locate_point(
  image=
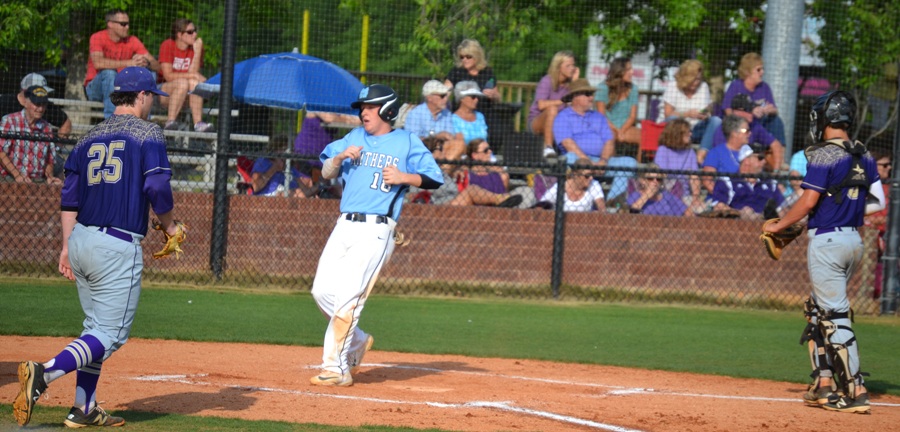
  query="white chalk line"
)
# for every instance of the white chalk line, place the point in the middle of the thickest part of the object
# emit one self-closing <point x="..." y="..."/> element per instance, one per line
<point x="502" y="406"/>
<point x="617" y="390"/>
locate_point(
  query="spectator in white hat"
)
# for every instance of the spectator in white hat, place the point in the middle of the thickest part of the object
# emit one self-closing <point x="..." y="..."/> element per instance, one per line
<point x="15" y="102"/>
<point x="433" y="119"/>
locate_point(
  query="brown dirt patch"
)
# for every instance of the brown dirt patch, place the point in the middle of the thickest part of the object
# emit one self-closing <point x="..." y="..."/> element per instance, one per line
<point x="267" y="382"/>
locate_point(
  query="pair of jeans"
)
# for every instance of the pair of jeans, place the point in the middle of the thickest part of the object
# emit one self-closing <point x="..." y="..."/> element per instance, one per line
<point x="99" y="89"/>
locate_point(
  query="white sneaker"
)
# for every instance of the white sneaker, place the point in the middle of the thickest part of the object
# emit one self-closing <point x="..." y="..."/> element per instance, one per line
<point x="549" y="152"/>
<point x="355" y="359"/>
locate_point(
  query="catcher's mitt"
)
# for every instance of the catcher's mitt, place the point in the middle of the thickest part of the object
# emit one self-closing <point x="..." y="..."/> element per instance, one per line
<point x="777" y="241"/>
<point x="173" y="242"/>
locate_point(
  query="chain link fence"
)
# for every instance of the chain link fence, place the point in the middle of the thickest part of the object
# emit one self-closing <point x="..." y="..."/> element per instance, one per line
<point x="647" y="231"/>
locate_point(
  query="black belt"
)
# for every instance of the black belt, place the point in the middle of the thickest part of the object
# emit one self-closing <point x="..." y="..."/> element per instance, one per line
<point x="360" y="217"/>
<point x="119" y="234"/>
<point x="820" y="231"/>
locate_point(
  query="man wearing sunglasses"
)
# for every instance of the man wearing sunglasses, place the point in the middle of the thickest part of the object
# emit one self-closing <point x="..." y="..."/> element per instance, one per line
<point x="112" y="50"/>
<point x="433" y="119"/>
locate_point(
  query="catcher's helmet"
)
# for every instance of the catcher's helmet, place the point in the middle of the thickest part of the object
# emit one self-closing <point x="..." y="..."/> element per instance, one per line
<point x="836" y="109"/>
<point x="379" y="94"/>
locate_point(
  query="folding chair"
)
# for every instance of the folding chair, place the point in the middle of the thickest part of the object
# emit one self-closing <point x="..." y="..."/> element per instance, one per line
<point x="650" y="132"/>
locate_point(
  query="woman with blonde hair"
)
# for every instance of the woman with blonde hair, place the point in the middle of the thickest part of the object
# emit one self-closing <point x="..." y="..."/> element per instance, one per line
<point x="750" y="82"/>
<point x="548" y="97"/>
<point x="617" y="99"/>
<point x="688" y="97"/>
<point x="471" y="65"/>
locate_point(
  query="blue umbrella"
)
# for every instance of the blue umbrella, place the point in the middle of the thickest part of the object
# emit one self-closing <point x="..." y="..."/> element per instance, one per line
<point x="292" y="81"/>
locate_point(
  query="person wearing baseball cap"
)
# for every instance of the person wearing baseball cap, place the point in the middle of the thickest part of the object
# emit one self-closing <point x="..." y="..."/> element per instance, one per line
<point x="27" y="160"/>
<point x="747" y="195"/>
<point x="14" y="102"/>
<point x="433" y="119"/>
<point x="131" y="89"/>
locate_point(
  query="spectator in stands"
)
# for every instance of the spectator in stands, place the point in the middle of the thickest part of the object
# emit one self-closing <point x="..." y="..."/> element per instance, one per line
<point x="268" y="178"/>
<point x="467" y="121"/>
<point x="180" y="60"/>
<point x="675" y="153"/>
<point x="485" y="184"/>
<point x="747" y="195"/>
<point x="583" y="193"/>
<point x="548" y="97"/>
<point x="112" y="50"/>
<point x="55" y="115"/>
<point x="742" y="106"/>
<point x="583" y="133"/>
<point x="750" y="82"/>
<point x="471" y="65"/>
<point x="688" y="97"/>
<point x="652" y="198"/>
<point x="23" y="160"/>
<point x="724" y="158"/>
<point x="433" y="119"/>
<point x="879" y="219"/>
<point x="449" y="190"/>
<point x="617" y="99"/>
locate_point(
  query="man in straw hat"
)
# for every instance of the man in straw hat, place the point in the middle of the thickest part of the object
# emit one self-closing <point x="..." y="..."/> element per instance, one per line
<point x="582" y="132"/>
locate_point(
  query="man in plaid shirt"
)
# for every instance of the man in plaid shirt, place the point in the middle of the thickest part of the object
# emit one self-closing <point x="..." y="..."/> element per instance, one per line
<point x="24" y="160"/>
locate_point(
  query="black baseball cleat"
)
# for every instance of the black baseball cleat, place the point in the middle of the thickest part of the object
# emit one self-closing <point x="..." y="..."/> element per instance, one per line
<point x="860" y="405"/>
<point x="97" y="417"/>
<point x="32" y="386"/>
<point x="512" y="201"/>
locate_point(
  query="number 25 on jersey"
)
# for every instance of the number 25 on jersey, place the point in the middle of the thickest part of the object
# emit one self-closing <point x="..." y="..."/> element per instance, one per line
<point x="103" y="164"/>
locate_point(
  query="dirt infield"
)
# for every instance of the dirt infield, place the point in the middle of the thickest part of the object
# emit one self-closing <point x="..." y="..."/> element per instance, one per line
<point x="268" y="382"/>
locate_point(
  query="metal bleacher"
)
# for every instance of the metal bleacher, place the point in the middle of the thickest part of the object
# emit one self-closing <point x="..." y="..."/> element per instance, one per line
<point x="85" y="114"/>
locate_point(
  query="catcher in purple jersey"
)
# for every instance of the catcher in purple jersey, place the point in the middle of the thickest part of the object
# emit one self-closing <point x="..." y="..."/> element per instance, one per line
<point x="841" y="185"/>
<point x="377" y="165"/>
<point x="114" y="174"/>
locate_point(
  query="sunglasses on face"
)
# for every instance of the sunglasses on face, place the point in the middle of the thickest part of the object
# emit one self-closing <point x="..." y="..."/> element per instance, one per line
<point x="485" y="150"/>
<point x="885" y="165"/>
<point x="122" y="23"/>
<point x="653" y="179"/>
<point x="466" y="57"/>
<point x="442" y="96"/>
<point x="743" y="130"/>
<point x="190" y="32"/>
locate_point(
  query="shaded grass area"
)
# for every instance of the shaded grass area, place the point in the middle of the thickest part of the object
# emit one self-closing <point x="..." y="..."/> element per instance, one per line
<point x="739" y="343"/>
<point x="51" y="418"/>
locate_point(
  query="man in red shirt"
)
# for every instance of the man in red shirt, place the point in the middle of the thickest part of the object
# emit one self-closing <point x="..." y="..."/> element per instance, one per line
<point x="21" y="159"/>
<point x="112" y="50"/>
<point x="180" y="59"/>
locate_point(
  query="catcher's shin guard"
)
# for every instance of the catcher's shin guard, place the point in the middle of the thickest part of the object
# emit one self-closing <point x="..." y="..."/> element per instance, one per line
<point x="815" y="341"/>
<point x="839" y="353"/>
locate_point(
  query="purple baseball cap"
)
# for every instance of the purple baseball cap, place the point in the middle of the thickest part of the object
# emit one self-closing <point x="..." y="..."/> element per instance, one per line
<point x="136" y="79"/>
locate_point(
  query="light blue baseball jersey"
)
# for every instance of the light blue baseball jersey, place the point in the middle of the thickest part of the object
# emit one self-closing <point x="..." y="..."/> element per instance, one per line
<point x="364" y="188"/>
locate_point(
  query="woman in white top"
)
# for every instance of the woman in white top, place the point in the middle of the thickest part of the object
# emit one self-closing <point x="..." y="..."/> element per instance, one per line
<point x="688" y="97"/>
<point x="583" y="192"/>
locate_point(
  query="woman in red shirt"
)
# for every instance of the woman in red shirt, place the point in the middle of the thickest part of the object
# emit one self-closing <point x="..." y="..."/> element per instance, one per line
<point x="180" y="59"/>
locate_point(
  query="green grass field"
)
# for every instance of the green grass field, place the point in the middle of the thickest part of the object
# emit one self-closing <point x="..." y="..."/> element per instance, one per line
<point x="730" y="342"/>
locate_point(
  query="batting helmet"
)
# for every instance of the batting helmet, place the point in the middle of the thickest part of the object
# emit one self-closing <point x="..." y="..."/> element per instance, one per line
<point x="379" y="94"/>
<point x="836" y="109"/>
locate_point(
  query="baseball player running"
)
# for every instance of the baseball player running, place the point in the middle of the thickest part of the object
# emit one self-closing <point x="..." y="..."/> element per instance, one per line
<point x="377" y="165"/>
<point x="841" y="185"/>
<point x="114" y="174"/>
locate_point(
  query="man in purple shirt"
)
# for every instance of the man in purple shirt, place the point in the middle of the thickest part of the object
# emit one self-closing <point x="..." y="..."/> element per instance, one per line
<point x="742" y="106"/>
<point x="841" y="185"/>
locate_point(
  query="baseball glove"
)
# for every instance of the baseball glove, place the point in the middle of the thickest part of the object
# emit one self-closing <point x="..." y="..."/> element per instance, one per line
<point x="172" y="242"/>
<point x="401" y="239"/>
<point x="777" y="241"/>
